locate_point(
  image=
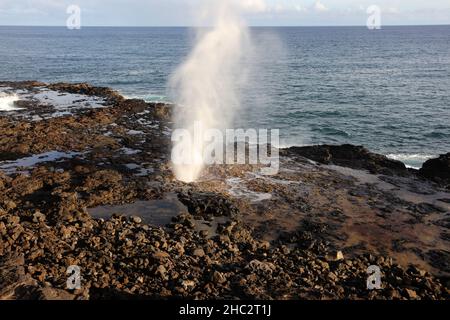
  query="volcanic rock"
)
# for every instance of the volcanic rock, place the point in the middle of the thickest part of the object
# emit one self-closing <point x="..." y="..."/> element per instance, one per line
<point x="438" y="170"/>
<point x="356" y="157"/>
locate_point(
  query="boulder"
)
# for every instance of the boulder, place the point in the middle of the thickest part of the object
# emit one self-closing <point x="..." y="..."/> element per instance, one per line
<point x="132" y="106"/>
<point x="53" y="294"/>
<point x="13" y="277"/>
<point x="437" y="170"/>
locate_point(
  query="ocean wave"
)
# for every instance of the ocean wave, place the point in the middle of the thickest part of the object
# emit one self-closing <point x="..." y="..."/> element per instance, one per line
<point x="7" y="102"/>
<point x="437" y="134"/>
<point x="151" y="98"/>
<point x="329" y="131"/>
<point x="286" y="145"/>
<point x="313" y="114"/>
<point x="415" y="160"/>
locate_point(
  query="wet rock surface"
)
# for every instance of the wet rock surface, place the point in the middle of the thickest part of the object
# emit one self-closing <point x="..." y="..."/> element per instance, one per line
<point x="356" y="157"/>
<point x="310" y="232"/>
<point x="438" y="170"/>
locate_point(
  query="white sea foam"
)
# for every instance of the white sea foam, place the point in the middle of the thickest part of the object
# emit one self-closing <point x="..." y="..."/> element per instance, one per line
<point x="135" y="132"/>
<point x="414" y="161"/>
<point x="7" y="101"/>
<point x="150" y="98"/>
<point x="129" y="151"/>
<point x="60" y="104"/>
<point x="66" y="101"/>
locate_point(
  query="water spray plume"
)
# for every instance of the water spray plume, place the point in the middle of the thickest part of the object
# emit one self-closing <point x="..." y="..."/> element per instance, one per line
<point x="205" y="86"/>
<point x="7" y="102"/>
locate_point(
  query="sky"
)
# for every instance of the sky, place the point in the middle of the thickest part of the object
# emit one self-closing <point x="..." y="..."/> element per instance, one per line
<point x="182" y="12"/>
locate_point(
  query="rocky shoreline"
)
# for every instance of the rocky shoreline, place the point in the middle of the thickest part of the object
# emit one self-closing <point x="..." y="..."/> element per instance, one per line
<point x="85" y="181"/>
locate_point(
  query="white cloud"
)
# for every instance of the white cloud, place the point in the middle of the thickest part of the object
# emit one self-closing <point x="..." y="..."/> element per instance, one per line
<point x="30" y="6"/>
<point x="392" y="10"/>
<point x="257" y="12"/>
<point x="253" y="5"/>
<point x="319" y="6"/>
<point x="300" y="8"/>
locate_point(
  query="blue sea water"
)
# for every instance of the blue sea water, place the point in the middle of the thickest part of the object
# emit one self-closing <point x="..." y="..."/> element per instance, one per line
<point x="388" y="89"/>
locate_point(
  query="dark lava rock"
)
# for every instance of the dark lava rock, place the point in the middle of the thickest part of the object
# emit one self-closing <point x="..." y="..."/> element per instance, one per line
<point x="438" y="170"/>
<point x="204" y="204"/>
<point x="87" y="89"/>
<point x="426" y="208"/>
<point x="22" y="84"/>
<point x="45" y="227"/>
<point x="13" y="276"/>
<point x="162" y="111"/>
<point x="356" y="157"/>
<point x="133" y="105"/>
<point x="440" y="259"/>
<point x="8" y="156"/>
<point x="53" y="294"/>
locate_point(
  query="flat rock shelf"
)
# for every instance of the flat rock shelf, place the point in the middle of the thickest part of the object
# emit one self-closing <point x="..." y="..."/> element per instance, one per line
<point x="86" y="180"/>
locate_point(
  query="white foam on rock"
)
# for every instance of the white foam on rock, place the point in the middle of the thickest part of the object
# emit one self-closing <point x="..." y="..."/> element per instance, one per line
<point x="414" y="161"/>
<point x="63" y="101"/>
<point x="59" y="104"/>
<point x="135" y="132"/>
<point x="129" y="151"/>
<point x="7" y="101"/>
<point x="239" y="190"/>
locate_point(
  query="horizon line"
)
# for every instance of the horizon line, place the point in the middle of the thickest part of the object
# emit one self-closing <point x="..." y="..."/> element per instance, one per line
<point x="251" y="26"/>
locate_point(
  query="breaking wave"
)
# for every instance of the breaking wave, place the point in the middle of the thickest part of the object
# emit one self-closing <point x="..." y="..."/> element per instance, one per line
<point x="414" y="161"/>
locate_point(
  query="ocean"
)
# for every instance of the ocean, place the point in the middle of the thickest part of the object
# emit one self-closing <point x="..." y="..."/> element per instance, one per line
<point x="387" y="89"/>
